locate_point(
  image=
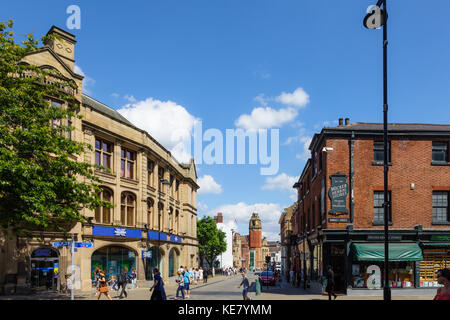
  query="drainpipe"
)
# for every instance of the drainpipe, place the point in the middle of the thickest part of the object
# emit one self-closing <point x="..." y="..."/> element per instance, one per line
<point x="352" y="171"/>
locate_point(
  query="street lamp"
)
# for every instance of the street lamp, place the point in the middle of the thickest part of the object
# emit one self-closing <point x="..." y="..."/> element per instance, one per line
<point x="163" y="182"/>
<point x="374" y="19"/>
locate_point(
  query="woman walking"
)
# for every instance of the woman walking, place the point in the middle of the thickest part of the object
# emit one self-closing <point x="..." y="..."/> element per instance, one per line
<point x="133" y="277"/>
<point x="103" y="286"/>
<point x="200" y="275"/>
<point x="158" y="285"/>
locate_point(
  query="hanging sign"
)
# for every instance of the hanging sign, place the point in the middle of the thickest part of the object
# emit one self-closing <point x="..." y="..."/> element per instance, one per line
<point x="146" y="254"/>
<point x="338" y="194"/>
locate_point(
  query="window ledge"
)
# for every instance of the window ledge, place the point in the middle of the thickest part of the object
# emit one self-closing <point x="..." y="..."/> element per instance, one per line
<point x="380" y="223"/>
<point x="129" y="180"/>
<point x="380" y="163"/>
<point x="442" y="223"/>
<point x="440" y="163"/>
<point x="105" y="173"/>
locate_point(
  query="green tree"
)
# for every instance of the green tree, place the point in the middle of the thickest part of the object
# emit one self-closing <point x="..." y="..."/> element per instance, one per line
<point x="42" y="184"/>
<point x="211" y="241"/>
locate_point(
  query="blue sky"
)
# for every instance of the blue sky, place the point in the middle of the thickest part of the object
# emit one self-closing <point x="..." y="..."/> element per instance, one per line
<point x="208" y="60"/>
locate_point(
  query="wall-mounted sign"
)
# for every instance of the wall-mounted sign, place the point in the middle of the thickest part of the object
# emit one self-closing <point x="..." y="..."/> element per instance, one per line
<point x="380" y="237"/>
<point x="116" y="232"/>
<point x="440" y="238"/>
<point x="338" y="194"/>
<point x="146" y="254"/>
<point x="339" y="220"/>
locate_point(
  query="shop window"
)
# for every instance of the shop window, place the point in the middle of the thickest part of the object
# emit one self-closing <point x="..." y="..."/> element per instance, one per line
<point x="112" y="259"/>
<point x="440" y="151"/>
<point x="378" y="200"/>
<point x="370" y="274"/>
<point x="378" y="151"/>
<point x="127" y="163"/>
<point x="128" y="205"/>
<point x="103" y="214"/>
<point x="103" y="154"/>
<point x="440" y="207"/>
<point x="433" y="260"/>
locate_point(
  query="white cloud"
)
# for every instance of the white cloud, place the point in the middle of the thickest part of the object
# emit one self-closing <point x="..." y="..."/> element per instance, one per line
<point x="130" y="98"/>
<point x="298" y="98"/>
<point x="201" y="206"/>
<point x="88" y="82"/>
<point x="115" y="95"/>
<point x="280" y="182"/>
<point x="265" y="118"/>
<point x="208" y="185"/>
<point x="169" y="123"/>
<point x="306" y="154"/>
<point x="269" y="213"/>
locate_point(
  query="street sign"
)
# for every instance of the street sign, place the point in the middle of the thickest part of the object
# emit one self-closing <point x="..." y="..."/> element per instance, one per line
<point x="146" y="254"/>
<point x="77" y="244"/>
<point x="374" y="18"/>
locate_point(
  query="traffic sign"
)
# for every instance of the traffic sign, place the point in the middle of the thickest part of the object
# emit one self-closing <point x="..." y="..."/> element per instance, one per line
<point x="76" y="244"/>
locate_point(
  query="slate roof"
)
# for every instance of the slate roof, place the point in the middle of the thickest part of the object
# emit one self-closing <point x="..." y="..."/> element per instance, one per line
<point x="104" y="109"/>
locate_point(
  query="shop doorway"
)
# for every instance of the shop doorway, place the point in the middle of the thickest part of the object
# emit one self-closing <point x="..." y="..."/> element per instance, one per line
<point x="173" y="262"/>
<point x="337" y="262"/>
<point x="151" y="264"/>
<point x="113" y="259"/>
<point x="44" y="269"/>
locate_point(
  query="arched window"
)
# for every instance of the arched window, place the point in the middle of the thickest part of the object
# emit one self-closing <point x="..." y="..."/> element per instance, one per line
<point x="171" y="224"/>
<point x="128" y="207"/>
<point x="177" y="222"/>
<point x="160" y="216"/>
<point x="150" y="212"/>
<point x="103" y="214"/>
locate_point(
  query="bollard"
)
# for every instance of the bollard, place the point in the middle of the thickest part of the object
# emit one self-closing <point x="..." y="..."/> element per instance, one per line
<point x="258" y="287"/>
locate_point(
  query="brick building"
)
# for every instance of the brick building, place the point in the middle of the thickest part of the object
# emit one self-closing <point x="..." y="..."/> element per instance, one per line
<point x="339" y="219"/>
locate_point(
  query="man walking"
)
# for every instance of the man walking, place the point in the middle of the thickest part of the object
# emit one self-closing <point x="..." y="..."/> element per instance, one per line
<point x="205" y="275"/>
<point x="330" y="283"/>
<point x="246" y="286"/>
<point x="123" y="280"/>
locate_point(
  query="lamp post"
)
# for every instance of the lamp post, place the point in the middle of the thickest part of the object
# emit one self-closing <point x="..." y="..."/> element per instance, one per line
<point x="374" y="20"/>
<point x="163" y="182"/>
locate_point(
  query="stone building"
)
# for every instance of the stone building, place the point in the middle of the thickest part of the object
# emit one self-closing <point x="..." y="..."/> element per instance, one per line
<point x="339" y="219"/>
<point x="285" y="237"/>
<point x="119" y="236"/>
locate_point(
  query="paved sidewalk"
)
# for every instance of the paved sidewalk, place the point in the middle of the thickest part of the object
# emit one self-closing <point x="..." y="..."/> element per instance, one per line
<point x="133" y="294"/>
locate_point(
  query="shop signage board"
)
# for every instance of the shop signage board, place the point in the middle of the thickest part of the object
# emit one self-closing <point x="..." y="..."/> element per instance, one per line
<point x="380" y="237"/>
<point x="116" y="232"/>
<point x="339" y="220"/>
<point x="338" y="194"/>
<point x="146" y="254"/>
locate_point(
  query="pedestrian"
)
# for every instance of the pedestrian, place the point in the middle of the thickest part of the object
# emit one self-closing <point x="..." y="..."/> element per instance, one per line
<point x="68" y="284"/>
<point x="200" y="275"/>
<point x="103" y="286"/>
<point x="443" y="277"/>
<point x="113" y="283"/>
<point x="186" y="280"/>
<point x="96" y="277"/>
<point x="191" y="276"/>
<point x="158" y="285"/>
<point x="133" y="277"/>
<point x="330" y="283"/>
<point x="291" y="275"/>
<point x="196" y="276"/>
<point x="180" y="282"/>
<point x="123" y="280"/>
<point x="181" y="269"/>
<point x="246" y="285"/>
<point x="205" y="275"/>
<point x="299" y="279"/>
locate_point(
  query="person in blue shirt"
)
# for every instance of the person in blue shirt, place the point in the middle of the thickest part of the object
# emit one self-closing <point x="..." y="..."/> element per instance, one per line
<point x="158" y="285"/>
<point x="187" y="280"/>
<point x="246" y="284"/>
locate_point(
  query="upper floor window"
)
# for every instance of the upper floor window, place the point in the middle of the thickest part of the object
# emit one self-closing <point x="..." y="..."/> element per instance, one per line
<point x="378" y="151"/>
<point x="440" y="206"/>
<point x="150" y="168"/>
<point x="440" y="151"/>
<point x="103" y="214"/>
<point x="150" y="211"/>
<point x="127" y="209"/>
<point x="172" y="179"/>
<point x="315" y="162"/>
<point x="378" y="207"/>
<point x="103" y="153"/>
<point x="160" y="176"/>
<point x="127" y="162"/>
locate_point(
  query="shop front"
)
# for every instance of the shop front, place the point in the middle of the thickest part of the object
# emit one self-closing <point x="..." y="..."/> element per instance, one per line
<point x="368" y="265"/>
<point x="436" y="256"/>
<point x="44" y="269"/>
<point x="113" y="259"/>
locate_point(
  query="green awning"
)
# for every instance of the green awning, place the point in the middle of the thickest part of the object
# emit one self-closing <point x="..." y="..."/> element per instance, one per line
<point x="397" y="252"/>
<point x="436" y="244"/>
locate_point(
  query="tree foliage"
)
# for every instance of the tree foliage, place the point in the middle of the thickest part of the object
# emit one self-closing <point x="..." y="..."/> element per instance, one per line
<point x="42" y="184"/>
<point x="211" y="241"/>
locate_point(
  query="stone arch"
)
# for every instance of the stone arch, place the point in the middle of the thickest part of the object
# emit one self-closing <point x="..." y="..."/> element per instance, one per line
<point x="174" y="258"/>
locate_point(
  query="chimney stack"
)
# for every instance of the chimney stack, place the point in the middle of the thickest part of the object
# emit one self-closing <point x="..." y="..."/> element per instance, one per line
<point x="347" y="121"/>
<point x="340" y="121"/>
